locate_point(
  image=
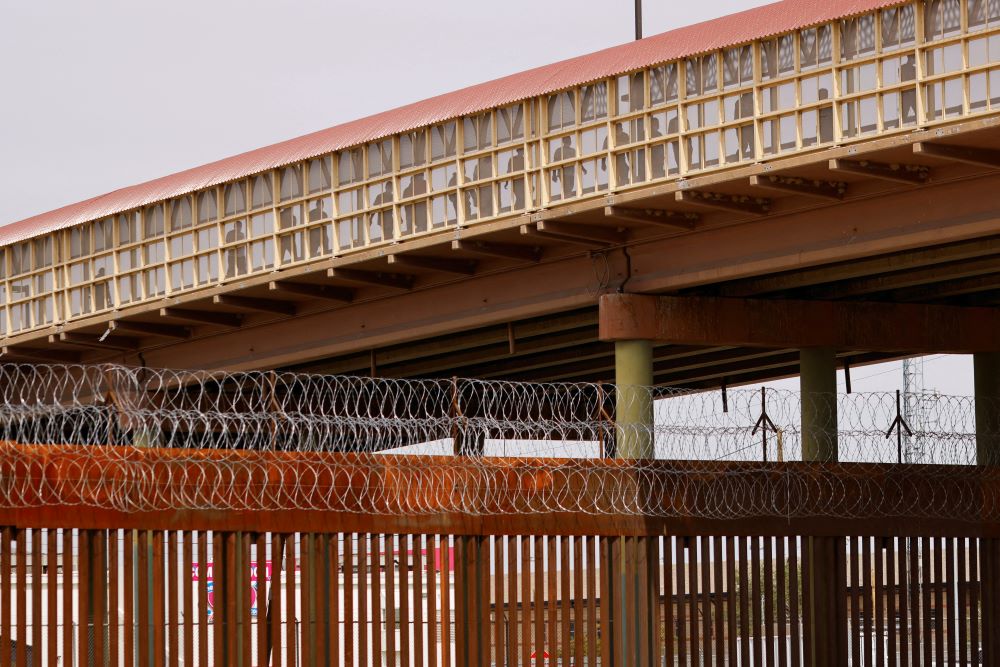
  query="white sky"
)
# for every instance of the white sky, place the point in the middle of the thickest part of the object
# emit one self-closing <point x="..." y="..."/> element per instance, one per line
<point x="102" y="94"/>
<point x="945" y="373"/>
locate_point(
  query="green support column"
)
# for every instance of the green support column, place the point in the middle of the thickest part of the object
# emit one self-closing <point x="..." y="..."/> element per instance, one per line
<point x="634" y="409"/>
<point x="828" y="621"/>
<point x="986" y="371"/>
<point x="634" y="437"/>
<point x="818" y="383"/>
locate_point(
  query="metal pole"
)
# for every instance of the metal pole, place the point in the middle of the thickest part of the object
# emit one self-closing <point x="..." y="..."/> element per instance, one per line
<point x="899" y="431"/>
<point x="763" y="430"/>
<point x="913" y="386"/>
<point x="638" y="19"/>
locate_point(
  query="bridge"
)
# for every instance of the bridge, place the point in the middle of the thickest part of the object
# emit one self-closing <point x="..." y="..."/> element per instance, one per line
<point x="847" y="156"/>
<point x="795" y="190"/>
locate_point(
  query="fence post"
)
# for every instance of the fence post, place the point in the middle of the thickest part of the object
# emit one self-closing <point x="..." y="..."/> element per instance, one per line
<point x="96" y="604"/>
<point x="471" y="573"/>
<point x="989" y="573"/>
<point x="93" y="643"/>
<point x="472" y="635"/>
<point x="989" y="556"/>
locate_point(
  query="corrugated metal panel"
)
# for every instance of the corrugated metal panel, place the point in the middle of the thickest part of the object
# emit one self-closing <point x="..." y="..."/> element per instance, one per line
<point x="737" y="28"/>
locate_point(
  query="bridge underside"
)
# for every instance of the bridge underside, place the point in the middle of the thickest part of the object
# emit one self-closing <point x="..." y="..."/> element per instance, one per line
<point x="908" y="219"/>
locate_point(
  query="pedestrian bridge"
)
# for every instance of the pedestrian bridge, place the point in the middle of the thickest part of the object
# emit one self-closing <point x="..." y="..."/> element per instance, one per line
<point x="670" y="133"/>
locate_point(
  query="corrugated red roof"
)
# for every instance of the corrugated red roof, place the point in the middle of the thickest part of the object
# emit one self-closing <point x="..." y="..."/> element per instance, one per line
<point x="730" y="30"/>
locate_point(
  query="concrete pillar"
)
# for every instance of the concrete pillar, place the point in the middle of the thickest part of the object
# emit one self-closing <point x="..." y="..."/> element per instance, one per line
<point x="629" y="615"/>
<point x="818" y="383"/>
<point x="986" y="373"/>
<point x="828" y="622"/>
<point x="634" y="409"/>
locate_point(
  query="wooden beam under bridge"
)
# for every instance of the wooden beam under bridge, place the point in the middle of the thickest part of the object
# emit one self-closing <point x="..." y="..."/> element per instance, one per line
<point x="786" y="323"/>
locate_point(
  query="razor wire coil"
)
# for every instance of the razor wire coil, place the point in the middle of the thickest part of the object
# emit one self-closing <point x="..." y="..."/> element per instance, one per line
<point x="139" y="439"/>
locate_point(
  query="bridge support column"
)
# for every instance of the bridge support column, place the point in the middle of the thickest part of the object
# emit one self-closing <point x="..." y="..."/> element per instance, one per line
<point x="824" y="572"/>
<point x="818" y="384"/>
<point x="634" y="408"/>
<point x="986" y="373"/>
<point x="632" y="580"/>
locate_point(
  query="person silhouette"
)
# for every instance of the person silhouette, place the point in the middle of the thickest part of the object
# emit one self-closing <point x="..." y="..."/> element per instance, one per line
<point x="673" y="148"/>
<point x="515" y="165"/>
<point x="102" y="295"/>
<point x="381" y="221"/>
<point x="743" y="110"/>
<point x="654" y="127"/>
<point x="908" y="97"/>
<point x="565" y="175"/>
<point x="471" y="195"/>
<point x="825" y="118"/>
<point x="236" y="258"/>
<point x="658" y="153"/>
<point x="410" y="218"/>
<point x="288" y="217"/>
<point x="623" y="160"/>
<point x="451" y="212"/>
<point x="318" y="211"/>
<point x="319" y="240"/>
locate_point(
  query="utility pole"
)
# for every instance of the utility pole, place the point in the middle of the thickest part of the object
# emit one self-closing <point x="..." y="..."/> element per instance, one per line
<point x="638" y="19"/>
<point x="913" y="407"/>
<point x="913" y="386"/>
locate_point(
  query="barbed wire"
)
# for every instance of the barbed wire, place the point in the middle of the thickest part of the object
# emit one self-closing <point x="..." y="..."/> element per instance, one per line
<point x="139" y="439"/>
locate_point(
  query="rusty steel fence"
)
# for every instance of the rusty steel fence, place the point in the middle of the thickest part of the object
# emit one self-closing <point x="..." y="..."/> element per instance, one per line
<point x="155" y="597"/>
<point x="103" y="586"/>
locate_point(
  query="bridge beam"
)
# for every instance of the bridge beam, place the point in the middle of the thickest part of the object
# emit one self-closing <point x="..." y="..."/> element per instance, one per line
<point x="851" y="325"/>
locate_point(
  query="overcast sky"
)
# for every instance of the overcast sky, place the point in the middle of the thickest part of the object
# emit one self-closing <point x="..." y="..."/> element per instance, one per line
<point x="101" y="94"/>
